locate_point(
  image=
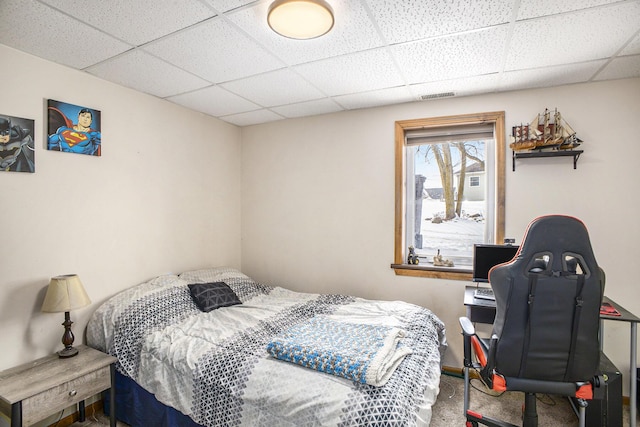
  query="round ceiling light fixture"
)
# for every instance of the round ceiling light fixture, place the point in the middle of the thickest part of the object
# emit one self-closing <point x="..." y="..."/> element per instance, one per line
<point x="300" y="19"/>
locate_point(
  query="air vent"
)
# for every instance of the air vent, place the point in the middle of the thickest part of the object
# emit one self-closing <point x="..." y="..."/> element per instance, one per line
<point x="437" y="95"/>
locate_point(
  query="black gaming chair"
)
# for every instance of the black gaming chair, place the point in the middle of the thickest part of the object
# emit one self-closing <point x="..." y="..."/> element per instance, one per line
<point x="545" y="334"/>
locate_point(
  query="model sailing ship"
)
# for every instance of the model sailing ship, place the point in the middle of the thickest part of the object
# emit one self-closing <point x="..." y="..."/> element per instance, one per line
<point x="544" y="131"/>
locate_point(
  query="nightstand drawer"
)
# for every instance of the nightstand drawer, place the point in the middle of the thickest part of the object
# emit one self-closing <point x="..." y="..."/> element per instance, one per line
<point x="57" y="398"/>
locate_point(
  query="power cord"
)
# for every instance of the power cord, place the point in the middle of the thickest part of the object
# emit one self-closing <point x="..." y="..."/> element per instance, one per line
<point x="550" y="401"/>
<point x="545" y="399"/>
<point x="93" y="414"/>
<point x="453" y="389"/>
<point x="93" y="417"/>
<point x="486" y="390"/>
<point x="59" y="418"/>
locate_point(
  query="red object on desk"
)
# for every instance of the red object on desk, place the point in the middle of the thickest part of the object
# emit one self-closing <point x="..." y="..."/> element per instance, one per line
<point x="608" y="310"/>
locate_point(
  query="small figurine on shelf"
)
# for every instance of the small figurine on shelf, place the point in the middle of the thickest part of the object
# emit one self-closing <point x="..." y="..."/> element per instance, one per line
<point x="438" y="261"/>
<point x="412" y="259"/>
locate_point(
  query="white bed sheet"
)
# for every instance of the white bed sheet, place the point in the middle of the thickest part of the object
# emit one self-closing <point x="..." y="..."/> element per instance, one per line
<point x="214" y="367"/>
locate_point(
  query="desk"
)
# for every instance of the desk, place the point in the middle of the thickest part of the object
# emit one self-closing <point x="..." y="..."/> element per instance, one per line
<point x="484" y="311"/>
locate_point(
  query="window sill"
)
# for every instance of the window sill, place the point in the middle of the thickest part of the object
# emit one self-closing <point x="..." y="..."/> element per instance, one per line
<point x="432" y="272"/>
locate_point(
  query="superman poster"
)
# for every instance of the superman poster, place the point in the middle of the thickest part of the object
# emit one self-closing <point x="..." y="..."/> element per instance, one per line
<point x="17" y="150"/>
<point x="73" y="129"/>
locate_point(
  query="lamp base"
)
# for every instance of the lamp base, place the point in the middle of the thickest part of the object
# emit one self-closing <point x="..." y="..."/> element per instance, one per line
<point x="68" y="352"/>
<point x="67" y="338"/>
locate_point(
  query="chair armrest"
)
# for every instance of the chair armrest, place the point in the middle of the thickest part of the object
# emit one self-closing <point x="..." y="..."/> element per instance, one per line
<point x="467" y="326"/>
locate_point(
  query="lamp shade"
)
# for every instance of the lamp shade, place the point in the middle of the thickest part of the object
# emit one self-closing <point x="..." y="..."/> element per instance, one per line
<point x="65" y="293"/>
<point x="300" y="19"/>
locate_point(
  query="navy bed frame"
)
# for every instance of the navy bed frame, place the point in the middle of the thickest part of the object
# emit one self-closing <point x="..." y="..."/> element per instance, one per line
<point x="139" y="408"/>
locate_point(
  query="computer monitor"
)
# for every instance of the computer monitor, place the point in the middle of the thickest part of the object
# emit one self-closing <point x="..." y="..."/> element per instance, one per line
<point x="485" y="256"/>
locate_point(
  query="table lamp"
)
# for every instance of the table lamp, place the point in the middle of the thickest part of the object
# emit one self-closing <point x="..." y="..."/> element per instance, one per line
<point x="65" y="293"/>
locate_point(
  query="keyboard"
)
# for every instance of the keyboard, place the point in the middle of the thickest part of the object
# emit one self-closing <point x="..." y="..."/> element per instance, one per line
<point x="484" y="293"/>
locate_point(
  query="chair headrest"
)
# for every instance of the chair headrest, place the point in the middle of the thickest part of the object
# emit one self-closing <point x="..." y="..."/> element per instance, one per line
<point x="556" y="243"/>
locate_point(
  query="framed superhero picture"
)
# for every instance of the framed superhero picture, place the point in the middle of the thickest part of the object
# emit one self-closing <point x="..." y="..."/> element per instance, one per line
<point x="17" y="150"/>
<point x="73" y="129"/>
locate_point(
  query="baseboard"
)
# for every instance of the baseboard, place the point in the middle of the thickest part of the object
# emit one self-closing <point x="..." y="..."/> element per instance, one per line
<point x="459" y="372"/>
<point x="91" y="409"/>
<point x="451" y="370"/>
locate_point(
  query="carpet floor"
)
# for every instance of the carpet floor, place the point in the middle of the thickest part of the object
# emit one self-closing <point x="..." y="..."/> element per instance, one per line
<point x="552" y="411"/>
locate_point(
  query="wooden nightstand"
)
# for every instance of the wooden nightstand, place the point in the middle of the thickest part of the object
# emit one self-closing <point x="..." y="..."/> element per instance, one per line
<point x="37" y="389"/>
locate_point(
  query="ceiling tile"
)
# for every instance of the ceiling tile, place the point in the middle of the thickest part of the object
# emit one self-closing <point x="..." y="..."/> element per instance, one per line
<point x="227" y="5"/>
<point x="632" y="48"/>
<point x="139" y="70"/>
<point x="582" y="36"/>
<point x="621" y="68"/>
<point x="352" y="31"/>
<point x="410" y="20"/>
<point x="476" y="53"/>
<point x="309" y="108"/>
<point x="550" y="76"/>
<point x="215" y="101"/>
<point x="358" y="72"/>
<point x="37" y="29"/>
<point x="267" y="89"/>
<point x="252" y="118"/>
<point x="138" y="21"/>
<point x="376" y="98"/>
<point x="535" y="8"/>
<point x="215" y="51"/>
<point x="460" y="87"/>
<point x="221" y="58"/>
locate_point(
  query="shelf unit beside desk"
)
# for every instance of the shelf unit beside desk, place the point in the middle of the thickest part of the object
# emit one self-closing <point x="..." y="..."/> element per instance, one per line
<point x="484" y="311"/>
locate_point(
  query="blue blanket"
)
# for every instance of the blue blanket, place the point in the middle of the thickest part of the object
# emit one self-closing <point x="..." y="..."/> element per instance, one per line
<point x="367" y="354"/>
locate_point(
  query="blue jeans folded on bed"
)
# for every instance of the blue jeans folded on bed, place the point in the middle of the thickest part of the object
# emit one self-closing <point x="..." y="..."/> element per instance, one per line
<point x="139" y="408"/>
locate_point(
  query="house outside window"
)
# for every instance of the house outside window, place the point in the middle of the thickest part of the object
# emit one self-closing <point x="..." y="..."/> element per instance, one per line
<point x="449" y="192"/>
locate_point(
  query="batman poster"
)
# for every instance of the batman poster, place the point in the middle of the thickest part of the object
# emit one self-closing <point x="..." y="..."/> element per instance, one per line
<point x="17" y="150"/>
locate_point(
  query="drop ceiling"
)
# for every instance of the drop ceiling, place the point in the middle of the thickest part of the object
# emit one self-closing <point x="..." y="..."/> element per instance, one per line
<point x="219" y="57"/>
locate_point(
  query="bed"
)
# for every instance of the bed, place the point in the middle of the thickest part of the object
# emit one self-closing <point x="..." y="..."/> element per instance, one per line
<point x="181" y="366"/>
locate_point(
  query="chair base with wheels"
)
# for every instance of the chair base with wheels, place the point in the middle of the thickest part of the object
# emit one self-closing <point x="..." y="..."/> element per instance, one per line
<point x="474" y="345"/>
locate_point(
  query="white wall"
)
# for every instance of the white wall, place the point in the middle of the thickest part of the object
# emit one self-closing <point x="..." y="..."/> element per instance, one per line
<point x="163" y="197"/>
<point x="316" y="206"/>
<point x="318" y="197"/>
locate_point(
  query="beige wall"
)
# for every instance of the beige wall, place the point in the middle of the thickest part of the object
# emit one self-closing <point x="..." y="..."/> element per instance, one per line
<point x="318" y="197"/>
<point x="316" y="211"/>
<point x="164" y="197"/>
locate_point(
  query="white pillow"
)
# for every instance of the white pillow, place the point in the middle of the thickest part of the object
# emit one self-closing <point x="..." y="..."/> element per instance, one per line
<point x="215" y="274"/>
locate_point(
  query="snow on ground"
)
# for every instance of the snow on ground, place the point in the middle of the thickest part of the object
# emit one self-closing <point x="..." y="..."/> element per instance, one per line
<point x="454" y="238"/>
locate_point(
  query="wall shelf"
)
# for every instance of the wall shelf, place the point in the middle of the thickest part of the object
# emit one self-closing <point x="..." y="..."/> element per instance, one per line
<point x="558" y="153"/>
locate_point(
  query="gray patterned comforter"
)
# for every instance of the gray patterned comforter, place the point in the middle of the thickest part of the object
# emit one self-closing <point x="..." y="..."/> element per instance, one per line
<point x="214" y="367"/>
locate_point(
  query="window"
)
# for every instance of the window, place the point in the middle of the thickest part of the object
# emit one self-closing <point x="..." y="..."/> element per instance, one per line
<point x="449" y="192"/>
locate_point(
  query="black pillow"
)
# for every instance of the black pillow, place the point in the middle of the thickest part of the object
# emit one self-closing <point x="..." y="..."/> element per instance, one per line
<point x="209" y="296"/>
